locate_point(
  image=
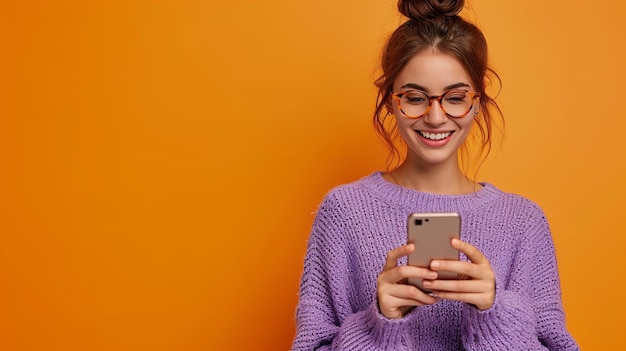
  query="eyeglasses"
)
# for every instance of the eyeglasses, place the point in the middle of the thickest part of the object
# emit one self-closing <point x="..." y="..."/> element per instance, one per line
<point x="455" y="103"/>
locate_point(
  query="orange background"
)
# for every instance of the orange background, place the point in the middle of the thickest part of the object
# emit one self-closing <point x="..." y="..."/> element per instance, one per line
<point x="160" y="160"/>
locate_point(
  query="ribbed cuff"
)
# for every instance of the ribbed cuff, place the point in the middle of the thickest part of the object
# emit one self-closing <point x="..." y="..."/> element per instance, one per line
<point x="509" y="324"/>
<point x="388" y="334"/>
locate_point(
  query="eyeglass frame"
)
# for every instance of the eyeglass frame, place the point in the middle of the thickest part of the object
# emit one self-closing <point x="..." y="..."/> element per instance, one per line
<point x="439" y="98"/>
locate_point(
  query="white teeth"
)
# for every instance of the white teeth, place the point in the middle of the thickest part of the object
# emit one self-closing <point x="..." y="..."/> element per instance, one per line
<point x="434" y="136"/>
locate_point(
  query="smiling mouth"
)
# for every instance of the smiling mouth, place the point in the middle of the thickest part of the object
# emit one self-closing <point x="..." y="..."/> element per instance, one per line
<point x="434" y="136"/>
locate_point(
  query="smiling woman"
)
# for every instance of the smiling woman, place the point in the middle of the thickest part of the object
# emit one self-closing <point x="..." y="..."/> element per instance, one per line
<point x="504" y="293"/>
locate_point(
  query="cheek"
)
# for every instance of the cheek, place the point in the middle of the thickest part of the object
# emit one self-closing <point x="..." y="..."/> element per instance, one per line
<point x="403" y="123"/>
<point x="405" y="128"/>
<point x="466" y="126"/>
<point x="467" y="122"/>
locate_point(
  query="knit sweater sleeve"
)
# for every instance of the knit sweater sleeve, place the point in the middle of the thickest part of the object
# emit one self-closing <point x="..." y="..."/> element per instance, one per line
<point x="527" y="313"/>
<point x="326" y="318"/>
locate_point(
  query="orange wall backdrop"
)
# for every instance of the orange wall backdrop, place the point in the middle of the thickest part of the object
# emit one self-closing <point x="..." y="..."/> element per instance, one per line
<point x="160" y="160"/>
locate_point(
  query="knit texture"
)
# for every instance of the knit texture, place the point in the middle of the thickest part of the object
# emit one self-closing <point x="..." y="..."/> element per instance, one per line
<point x="358" y="223"/>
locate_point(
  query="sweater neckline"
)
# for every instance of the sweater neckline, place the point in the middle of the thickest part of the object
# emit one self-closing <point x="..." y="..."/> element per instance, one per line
<point x="395" y="194"/>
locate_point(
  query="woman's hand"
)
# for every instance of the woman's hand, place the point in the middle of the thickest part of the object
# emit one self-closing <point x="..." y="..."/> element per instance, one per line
<point x="395" y="297"/>
<point x="478" y="287"/>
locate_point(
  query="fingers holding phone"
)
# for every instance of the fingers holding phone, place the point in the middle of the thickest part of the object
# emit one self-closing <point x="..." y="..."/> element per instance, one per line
<point x="478" y="286"/>
<point x="437" y="247"/>
<point x="395" y="298"/>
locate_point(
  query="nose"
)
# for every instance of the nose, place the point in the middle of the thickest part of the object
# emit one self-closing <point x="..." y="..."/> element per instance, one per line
<point x="435" y="115"/>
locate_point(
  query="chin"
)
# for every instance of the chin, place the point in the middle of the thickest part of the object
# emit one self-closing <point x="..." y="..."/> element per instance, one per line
<point x="431" y="157"/>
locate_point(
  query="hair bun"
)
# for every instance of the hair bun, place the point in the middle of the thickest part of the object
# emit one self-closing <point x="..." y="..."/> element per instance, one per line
<point x="430" y="9"/>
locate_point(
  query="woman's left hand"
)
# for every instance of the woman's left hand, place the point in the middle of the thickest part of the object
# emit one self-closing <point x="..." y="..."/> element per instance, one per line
<point x="479" y="286"/>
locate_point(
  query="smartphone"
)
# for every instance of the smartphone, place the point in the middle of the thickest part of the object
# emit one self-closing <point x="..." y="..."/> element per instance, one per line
<point x="432" y="234"/>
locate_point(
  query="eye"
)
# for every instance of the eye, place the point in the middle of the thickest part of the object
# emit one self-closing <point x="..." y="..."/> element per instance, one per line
<point x="415" y="98"/>
<point x="455" y="97"/>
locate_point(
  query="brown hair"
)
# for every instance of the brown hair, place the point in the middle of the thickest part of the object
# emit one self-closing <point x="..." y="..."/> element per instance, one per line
<point x="435" y="24"/>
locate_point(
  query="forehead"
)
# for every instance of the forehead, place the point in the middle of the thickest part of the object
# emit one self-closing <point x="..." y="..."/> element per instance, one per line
<point x="434" y="71"/>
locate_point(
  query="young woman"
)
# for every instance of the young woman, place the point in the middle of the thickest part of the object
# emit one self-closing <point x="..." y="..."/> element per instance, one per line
<point x="352" y="293"/>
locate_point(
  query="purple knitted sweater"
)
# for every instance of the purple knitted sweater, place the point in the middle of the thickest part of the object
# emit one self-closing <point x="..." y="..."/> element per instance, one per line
<point x="358" y="223"/>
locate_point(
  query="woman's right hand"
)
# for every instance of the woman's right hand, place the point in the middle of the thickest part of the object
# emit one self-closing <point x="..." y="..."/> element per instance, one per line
<point x="395" y="297"/>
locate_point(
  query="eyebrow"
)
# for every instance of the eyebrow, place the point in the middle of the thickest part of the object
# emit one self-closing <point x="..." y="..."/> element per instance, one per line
<point x="419" y="87"/>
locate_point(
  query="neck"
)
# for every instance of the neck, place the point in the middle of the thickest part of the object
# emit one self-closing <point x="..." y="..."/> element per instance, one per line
<point x="445" y="178"/>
